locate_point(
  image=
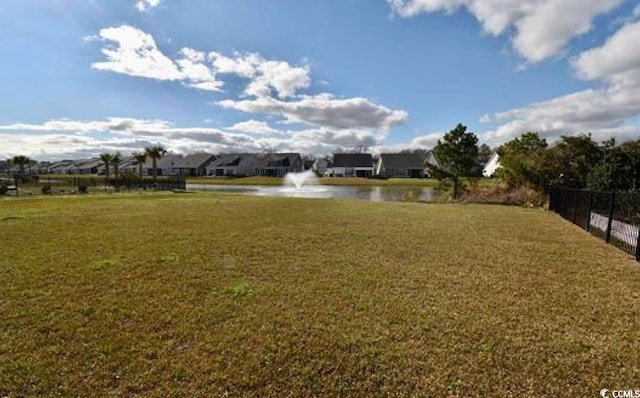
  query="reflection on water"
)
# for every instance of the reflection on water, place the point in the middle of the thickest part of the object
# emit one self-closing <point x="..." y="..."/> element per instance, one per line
<point x="376" y="194"/>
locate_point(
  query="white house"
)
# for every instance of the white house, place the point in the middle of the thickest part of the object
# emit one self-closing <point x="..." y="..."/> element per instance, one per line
<point x="492" y="165"/>
<point x="321" y="166"/>
<point x="164" y="165"/>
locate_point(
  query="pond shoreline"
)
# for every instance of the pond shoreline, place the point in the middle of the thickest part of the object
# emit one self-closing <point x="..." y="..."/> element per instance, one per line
<point x="366" y="193"/>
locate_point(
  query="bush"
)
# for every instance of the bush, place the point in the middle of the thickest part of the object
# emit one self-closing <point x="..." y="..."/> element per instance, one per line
<point x="519" y="196"/>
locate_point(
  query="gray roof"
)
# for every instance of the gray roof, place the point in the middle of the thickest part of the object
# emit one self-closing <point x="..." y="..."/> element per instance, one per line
<point x="85" y="164"/>
<point x="352" y="160"/>
<point x="90" y="164"/>
<point x="402" y="160"/>
<point x="234" y="160"/>
<point x="128" y="162"/>
<point x="61" y="164"/>
<point x="194" y="161"/>
<point x="278" y="159"/>
<point x="168" y="161"/>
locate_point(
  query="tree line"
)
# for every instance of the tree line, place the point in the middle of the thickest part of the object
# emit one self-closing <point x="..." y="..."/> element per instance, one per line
<point x="110" y="160"/>
<point x="154" y="153"/>
<point x="575" y="161"/>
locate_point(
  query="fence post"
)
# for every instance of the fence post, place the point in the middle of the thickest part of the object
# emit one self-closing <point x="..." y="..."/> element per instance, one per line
<point x="611" y="208"/>
<point x="589" y="211"/>
<point x="575" y="206"/>
<point x="638" y="238"/>
<point x="638" y="245"/>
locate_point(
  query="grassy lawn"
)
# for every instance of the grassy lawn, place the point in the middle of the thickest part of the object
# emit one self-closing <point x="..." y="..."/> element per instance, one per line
<point x="208" y="294"/>
<point x="324" y="181"/>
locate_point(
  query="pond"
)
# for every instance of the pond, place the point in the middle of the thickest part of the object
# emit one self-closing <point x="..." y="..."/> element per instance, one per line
<point x="376" y="194"/>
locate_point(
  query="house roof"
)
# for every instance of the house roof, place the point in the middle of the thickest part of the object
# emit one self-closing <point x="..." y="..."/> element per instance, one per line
<point x="234" y="160"/>
<point x="128" y="162"/>
<point x="194" y="161"/>
<point x="352" y="160"/>
<point x="321" y="162"/>
<point x="90" y="164"/>
<point x="402" y="160"/>
<point x="255" y="160"/>
<point x="168" y="161"/>
<point x="278" y="159"/>
<point x="61" y="164"/>
<point x="432" y="159"/>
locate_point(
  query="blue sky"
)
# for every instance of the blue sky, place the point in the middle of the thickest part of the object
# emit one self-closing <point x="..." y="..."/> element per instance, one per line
<point x="81" y="77"/>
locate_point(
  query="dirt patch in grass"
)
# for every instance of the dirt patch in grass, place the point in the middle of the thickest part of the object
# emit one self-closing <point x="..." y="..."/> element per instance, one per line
<point x="207" y="295"/>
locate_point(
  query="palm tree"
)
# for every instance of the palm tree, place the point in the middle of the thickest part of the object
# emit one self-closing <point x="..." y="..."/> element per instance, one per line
<point x="140" y="158"/>
<point x="107" y="158"/>
<point x="155" y="153"/>
<point x="21" y="161"/>
<point x="116" y="159"/>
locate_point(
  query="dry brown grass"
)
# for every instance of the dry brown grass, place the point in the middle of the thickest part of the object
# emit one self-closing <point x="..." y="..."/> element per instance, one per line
<point x="206" y="295"/>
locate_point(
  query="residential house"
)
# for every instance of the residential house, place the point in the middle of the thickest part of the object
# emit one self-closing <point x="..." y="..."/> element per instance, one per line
<point x="279" y="164"/>
<point x="307" y="164"/>
<point x="41" y="168"/>
<point x="125" y="166"/>
<point x="233" y="165"/>
<point x="353" y="165"/>
<point x="194" y="165"/>
<point x="166" y="165"/>
<point x="322" y="167"/>
<point x="86" y="166"/>
<point x="5" y="165"/>
<point x="60" y="167"/>
<point x="128" y="166"/>
<point x="492" y="165"/>
<point x="401" y="165"/>
<point x="431" y="160"/>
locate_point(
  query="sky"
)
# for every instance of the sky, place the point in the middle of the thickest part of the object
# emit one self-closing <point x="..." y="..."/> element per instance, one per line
<point x="83" y="77"/>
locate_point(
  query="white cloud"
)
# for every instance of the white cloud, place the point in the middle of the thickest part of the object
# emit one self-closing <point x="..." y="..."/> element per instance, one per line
<point x="541" y="28"/>
<point x="64" y="138"/>
<point x="196" y="73"/>
<point x="615" y="61"/>
<point x="606" y="111"/>
<point x="146" y="5"/>
<point x="135" y="53"/>
<point x="324" y="110"/>
<point x="68" y="125"/>
<point x="272" y="88"/>
<point x="343" y="139"/>
<point x="253" y="127"/>
<point x="427" y="141"/>
<point x="603" y="112"/>
<point x="280" y="76"/>
<point x="265" y="74"/>
<point x="243" y="65"/>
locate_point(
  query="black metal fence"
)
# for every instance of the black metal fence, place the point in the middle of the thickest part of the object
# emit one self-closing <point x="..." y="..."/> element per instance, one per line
<point x="612" y="216"/>
<point x="82" y="183"/>
<point x="161" y="183"/>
